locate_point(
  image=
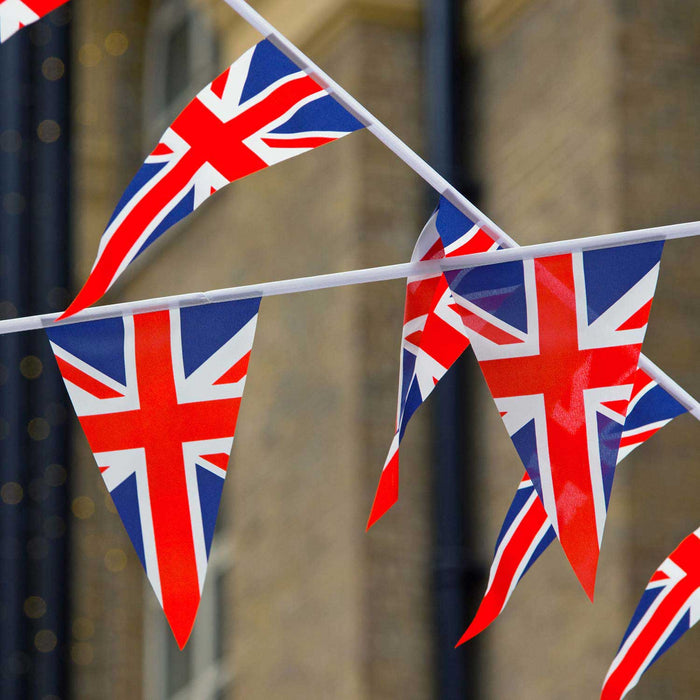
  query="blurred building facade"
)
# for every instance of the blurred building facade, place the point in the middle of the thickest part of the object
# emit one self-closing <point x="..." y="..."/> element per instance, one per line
<point x="579" y="118"/>
<point x="299" y="601"/>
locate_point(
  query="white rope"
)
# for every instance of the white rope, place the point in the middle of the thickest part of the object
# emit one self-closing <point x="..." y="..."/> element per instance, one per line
<point x="342" y="279"/>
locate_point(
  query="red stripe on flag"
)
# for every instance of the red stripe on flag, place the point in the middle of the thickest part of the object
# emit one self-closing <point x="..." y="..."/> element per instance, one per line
<point x="304" y="142"/>
<point x="484" y="328"/>
<point x="219" y="84"/>
<point x="414" y="338"/>
<point x="419" y="296"/>
<point x="166" y="475"/>
<point x="480" y="242"/>
<point x="220" y="460"/>
<point x="617" y="406"/>
<point x="641" y="382"/>
<point x="638" y="319"/>
<point x="236" y="373"/>
<point x="43" y="7"/>
<point x="637" y="438"/>
<point x="443" y="342"/>
<point x="387" y="490"/>
<point x="161" y="150"/>
<point x="436" y="251"/>
<point x="85" y="381"/>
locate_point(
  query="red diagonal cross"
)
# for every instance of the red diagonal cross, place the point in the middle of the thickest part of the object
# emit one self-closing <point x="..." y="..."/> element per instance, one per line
<point x="210" y="141"/>
<point x="222" y="143"/>
<point x="161" y="425"/>
<point x="561" y="372"/>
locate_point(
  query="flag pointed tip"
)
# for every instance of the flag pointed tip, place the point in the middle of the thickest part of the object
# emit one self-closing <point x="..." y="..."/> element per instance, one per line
<point x="483" y="618"/>
<point x="583" y="556"/>
<point x="379" y="508"/>
<point x="90" y="292"/>
<point x="587" y="580"/>
<point x="181" y="622"/>
<point x="73" y="308"/>
<point x="66" y="314"/>
<point x="182" y="634"/>
<point x="589" y="588"/>
<point x="585" y="571"/>
<point x="465" y="637"/>
<point x="387" y="492"/>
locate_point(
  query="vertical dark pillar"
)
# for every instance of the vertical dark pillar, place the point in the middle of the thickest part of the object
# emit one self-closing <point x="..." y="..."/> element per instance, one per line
<point x="447" y="79"/>
<point x="14" y="136"/>
<point x="48" y="250"/>
<point x="34" y="235"/>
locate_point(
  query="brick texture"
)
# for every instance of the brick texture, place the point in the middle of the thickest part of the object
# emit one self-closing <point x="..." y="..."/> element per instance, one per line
<point x="587" y="124"/>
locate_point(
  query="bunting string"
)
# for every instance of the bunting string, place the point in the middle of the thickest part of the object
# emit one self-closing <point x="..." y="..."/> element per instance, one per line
<point x="361" y="276"/>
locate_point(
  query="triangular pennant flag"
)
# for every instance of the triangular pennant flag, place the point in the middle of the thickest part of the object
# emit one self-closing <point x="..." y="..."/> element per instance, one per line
<point x="16" y="14"/>
<point x="433" y="333"/>
<point x="557" y="345"/>
<point x="669" y="607"/>
<point x="527" y="532"/>
<point x="261" y="110"/>
<point x="148" y="391"/>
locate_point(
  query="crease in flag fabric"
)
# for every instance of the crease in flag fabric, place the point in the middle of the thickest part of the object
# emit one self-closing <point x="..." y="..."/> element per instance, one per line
<point x="17" y="14"/>
<point x="157" y="395"/>
<point x="669" y="607"/>
<point x="527" y="532"/>
<point x="558" y="340"/>
<point x="261" y="110"/>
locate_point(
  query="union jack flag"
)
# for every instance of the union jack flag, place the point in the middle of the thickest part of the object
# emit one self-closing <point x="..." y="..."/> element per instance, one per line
<point x="669" y="607"/>
<point x="261" y="110"/>
<point x="526" y="531"/>
<point x="433" y="333"/>
<point x="16" y="14"/>
<point x="558" y="341"/>
<point x="158" y="395"/>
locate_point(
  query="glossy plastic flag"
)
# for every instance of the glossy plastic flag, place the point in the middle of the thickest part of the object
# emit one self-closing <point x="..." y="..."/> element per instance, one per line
<point x="527" y="532"/>
<point x="261" y="110"/>
<point x="558" y="340"/>
<point x="669" y="607"/>
<point x="433" y="333"/>
<point x="16" y="14"/>
<point x="158" y="395"/>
